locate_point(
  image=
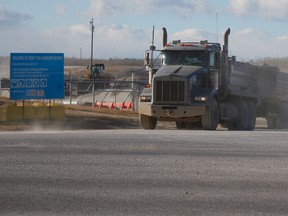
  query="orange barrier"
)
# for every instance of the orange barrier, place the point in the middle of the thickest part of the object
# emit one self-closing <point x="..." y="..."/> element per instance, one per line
<point x="110" y="105"/>
<point x="126" y="105"/>
<point x="96" y="104"/>
<point x="113" y="105"/>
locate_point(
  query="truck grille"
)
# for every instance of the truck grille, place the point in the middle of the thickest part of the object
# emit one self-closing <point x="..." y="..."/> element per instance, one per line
<point x="167" y="91"/>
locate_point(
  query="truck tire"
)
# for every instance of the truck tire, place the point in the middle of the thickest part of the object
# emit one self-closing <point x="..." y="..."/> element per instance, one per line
<point x="211" y="118"/>
<point x="279" y="123"/>
<point x="147" y="122"/>
<point x="231" y="126"/>
<point x="275" y="123"/>
<point x="271" y="122"/>
<point x="241" y="122"/>
<point x="251" y="116"/>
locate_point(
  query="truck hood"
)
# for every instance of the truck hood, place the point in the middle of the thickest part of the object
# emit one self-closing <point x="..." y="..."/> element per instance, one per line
<point x="177" y="70"/>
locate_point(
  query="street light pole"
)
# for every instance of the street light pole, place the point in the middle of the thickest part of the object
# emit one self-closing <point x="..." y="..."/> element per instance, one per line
<point x="92" y="30"/>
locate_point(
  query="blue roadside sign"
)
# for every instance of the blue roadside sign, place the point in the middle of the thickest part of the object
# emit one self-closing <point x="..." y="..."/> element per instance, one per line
<point x="36" y="76"/>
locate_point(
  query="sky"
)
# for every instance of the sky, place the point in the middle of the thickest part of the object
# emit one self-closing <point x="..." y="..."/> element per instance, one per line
<point x="123" y="28"/>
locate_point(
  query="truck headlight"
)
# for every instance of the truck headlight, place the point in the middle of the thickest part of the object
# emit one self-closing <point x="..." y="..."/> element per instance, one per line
<point x="200" y="99"/>
<point x="145" y="98"/>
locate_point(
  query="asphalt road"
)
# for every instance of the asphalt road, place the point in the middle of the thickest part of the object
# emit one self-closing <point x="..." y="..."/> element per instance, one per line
<point x="137" y="172"/>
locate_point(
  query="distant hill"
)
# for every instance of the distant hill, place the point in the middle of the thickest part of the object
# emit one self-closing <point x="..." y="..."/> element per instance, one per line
<point x="107" y="62"/>
<point x="113" y="66"/>
<point x="122" y="67"/>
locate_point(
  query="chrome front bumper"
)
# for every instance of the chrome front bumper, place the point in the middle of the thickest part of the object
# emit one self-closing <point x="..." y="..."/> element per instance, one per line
<point x="170" y="110"/>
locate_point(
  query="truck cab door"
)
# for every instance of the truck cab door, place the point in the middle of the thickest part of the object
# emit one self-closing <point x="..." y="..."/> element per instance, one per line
<point x="213" y="70"/>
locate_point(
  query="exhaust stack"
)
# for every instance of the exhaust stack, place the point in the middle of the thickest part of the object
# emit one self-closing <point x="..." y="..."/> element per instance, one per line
<point x="224" y="75"/>
<point x="226" y="37"/>
<point x="164" y="36"/>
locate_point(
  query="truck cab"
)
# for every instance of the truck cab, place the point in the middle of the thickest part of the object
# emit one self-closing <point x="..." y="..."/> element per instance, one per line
<point x="185" y="88"/>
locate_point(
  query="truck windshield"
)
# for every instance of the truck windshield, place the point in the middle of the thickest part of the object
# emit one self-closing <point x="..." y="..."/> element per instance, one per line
<point x="197" y="58"/>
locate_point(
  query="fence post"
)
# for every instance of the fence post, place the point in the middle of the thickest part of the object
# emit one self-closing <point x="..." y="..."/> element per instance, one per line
<point x="70" y="87"/>
<point x="93" y="92"/>
<point x="115" y="89"/>
<point x="133" y="93"/>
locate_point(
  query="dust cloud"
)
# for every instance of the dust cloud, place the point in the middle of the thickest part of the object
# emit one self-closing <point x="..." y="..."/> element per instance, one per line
<point x="4" y="67"/>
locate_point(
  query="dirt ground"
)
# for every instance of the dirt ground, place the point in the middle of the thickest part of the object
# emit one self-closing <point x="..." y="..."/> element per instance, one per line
<point x="88" y="118"/>
<point x="93" y="120"/>
<point x="79" y="119"/>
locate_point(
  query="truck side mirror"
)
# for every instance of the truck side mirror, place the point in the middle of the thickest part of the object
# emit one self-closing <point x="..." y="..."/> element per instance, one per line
<point x="146" y="59"/>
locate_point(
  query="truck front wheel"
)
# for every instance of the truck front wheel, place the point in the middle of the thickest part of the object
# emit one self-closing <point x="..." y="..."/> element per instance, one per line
<point x="147" y="122"/>
<point x="210" y="119"/>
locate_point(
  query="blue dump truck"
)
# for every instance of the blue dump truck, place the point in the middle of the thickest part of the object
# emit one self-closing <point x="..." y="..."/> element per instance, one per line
<point x="197" y="85"/>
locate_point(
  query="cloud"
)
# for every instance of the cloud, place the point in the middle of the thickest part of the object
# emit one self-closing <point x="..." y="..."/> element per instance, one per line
<point x="245" y="44"/>
<point x="112" y="8"/>
<point x="119" y="41"/>
<point x="250" y="44"/>
<point x="283" y="38"/>
<point x="271" y="10"/>
<point x="194" y="35"/>
<point x="8" y="18"/>
<point x="109" y="40"/>
<point x="60" y="9"/>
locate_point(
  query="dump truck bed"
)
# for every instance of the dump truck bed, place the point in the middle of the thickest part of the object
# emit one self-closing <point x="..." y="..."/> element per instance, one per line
<point x="272" y="84"/>
<point x="242" y="79"/>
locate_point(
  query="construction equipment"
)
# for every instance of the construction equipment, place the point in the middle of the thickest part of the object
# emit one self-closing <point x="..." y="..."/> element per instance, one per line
<point x="199" y="86"/>
<point x="96" y="71"/>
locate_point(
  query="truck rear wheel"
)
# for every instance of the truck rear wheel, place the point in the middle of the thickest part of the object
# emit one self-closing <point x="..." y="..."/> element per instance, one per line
<point x="279" y="123"/>
<point x="275" y="123"/>
<point x="271" y="122"/>
<point x="251" y="116"/>
<point x="241" y="122"/>
<point x="147" y="122"/>
<point x="211" y="117"/>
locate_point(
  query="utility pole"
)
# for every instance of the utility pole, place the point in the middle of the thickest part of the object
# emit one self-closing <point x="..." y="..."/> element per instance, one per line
<point x="217" y="26"/>
<point x="152" y="45"/>
<point x="92" y="30"/>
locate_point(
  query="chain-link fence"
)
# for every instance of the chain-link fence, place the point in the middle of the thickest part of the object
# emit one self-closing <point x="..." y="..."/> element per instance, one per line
<point x="95" y="93"/>
<point x="98" y="92"/>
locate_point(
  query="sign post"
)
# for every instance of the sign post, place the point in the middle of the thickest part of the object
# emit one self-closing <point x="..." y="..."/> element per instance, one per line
<point x="36" y="76"/>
